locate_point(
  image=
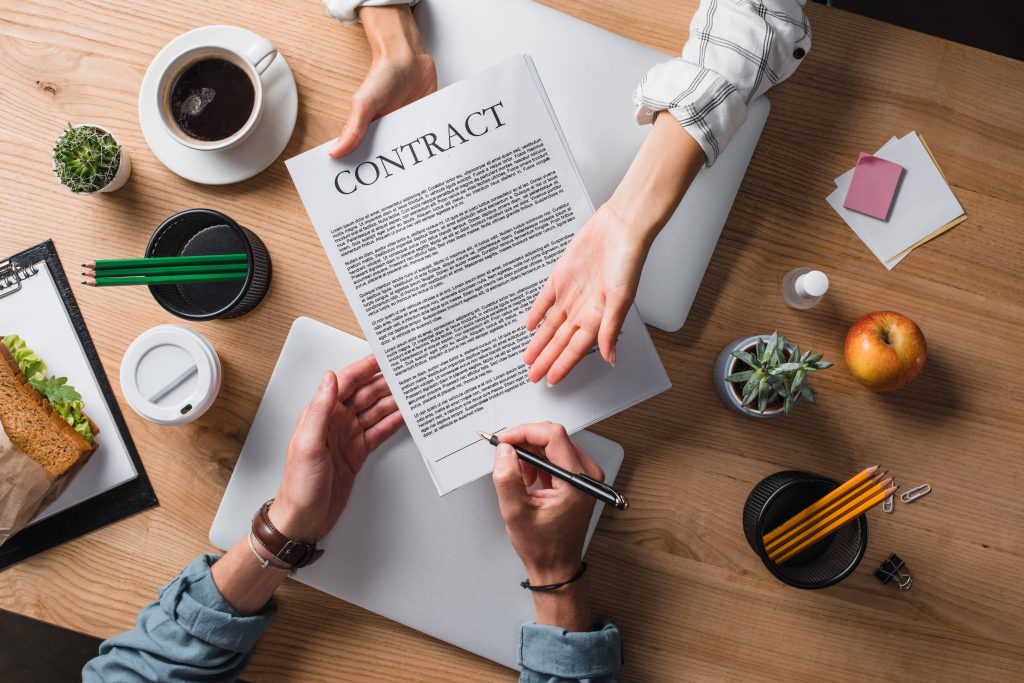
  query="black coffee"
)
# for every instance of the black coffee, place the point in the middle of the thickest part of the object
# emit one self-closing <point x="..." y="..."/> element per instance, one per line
<point x="212" y="99"/>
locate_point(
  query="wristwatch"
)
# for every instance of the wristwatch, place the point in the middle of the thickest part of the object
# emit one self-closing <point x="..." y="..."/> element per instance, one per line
<point x="293" y="553"/>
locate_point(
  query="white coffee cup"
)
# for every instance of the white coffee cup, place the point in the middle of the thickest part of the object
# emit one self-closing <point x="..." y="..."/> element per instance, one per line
<point x="253" y="61"/>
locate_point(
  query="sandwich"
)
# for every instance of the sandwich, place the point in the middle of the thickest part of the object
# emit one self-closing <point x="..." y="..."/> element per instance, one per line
<point x="42" y="416"/>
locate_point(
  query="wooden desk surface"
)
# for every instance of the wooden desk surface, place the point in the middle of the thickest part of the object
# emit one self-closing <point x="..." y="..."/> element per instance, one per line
<point x="693" y="602"/>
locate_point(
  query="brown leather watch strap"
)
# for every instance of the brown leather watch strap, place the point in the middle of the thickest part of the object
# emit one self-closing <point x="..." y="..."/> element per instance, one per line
<point x="293" y="553"/>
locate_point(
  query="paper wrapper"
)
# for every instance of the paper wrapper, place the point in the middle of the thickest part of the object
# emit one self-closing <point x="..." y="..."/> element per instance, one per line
<point x="25" y="487"/>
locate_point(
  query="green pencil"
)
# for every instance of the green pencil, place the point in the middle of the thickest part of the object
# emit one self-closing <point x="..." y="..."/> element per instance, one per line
<point x="163" y="280"/>
<point x="173" y="270"/>
<point x="114" y="264"/>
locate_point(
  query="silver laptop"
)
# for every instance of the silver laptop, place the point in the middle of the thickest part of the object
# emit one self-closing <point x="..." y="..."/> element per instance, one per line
<point x="590" y="75"/>
<point x="439" y="564"/>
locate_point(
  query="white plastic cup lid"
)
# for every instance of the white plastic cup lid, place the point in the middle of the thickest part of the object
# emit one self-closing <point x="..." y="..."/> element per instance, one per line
<point x="170" y="375"/>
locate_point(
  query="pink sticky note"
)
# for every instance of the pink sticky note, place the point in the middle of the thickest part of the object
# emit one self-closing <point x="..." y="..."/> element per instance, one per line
<point x="873" y="186"/>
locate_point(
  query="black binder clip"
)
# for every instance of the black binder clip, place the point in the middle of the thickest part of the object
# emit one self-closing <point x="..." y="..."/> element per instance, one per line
<point x="895" y="568"/>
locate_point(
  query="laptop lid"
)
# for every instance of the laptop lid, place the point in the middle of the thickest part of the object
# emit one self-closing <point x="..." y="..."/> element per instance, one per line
<point x="590" y="75"/>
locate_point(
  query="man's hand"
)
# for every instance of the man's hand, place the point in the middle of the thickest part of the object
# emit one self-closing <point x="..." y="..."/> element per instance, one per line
<point x="547" y="525"/>
<point x="351" y="414"/>
<point x="402" y="72"/>
<point x="587" y="297"/>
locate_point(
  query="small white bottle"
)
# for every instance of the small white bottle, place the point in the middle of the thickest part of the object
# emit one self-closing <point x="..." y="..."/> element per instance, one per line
<point x="803" y="287"/>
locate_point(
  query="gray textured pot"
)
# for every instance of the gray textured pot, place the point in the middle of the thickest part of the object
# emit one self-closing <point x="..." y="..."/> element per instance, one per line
<point x="728" y="392"/>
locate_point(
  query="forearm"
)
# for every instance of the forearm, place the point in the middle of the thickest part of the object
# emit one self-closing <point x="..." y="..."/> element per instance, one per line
<point x="392" y="32"/>
<point x="567" y="608"/>
<point x="565" y="644"/>
<point x="657" y="179"/>
<point x="189" y="633"/>
<point x="246" y="585"/>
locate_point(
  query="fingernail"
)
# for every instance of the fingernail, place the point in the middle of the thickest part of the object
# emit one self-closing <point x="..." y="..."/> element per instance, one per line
<point x="325" y="381"/>
<point x="503" y="451"/>
<point x="611" y="357"/>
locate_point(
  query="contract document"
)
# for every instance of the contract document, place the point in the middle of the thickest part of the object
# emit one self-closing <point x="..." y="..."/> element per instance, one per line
<point x="442" y="227"/>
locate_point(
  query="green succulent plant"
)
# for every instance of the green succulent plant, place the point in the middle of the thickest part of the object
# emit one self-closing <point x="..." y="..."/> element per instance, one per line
<point x="86" y="159"/>
<point x="775" y="373"/>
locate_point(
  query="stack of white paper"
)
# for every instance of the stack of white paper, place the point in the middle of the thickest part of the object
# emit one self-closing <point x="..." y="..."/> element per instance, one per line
<point x="442" y="226"/>
<point x="924" y="207"/>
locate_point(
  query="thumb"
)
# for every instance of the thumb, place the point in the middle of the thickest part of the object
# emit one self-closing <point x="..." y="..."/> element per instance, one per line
<point x="359" y="118"/>
<point x="616" y="309"/>
<point x="318" y="412"/>
<point x="508" y="482"/>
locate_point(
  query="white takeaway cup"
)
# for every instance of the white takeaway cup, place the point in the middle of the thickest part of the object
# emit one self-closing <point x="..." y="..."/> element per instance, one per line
<point x="171" y="375"/>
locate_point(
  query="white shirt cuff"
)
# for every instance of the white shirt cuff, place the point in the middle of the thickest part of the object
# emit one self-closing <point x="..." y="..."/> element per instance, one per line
<point x="345" y="10"/>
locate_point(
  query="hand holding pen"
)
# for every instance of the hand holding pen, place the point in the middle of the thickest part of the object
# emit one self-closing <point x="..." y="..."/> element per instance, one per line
<point x="591" y="485"/>
<point x="547" y="525"/>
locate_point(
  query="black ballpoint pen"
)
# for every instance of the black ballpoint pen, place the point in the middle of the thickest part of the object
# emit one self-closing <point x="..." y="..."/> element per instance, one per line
<point x="598" y="489"/>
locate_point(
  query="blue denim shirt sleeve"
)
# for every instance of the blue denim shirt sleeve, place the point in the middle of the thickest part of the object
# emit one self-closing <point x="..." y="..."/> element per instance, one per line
<point x="549" y="654"/>
<point x="189" y="634"/>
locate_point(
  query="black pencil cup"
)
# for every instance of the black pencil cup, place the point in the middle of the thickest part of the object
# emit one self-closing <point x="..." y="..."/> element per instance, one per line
<point x="780" y="496"/>
<point x="203" y="232"/>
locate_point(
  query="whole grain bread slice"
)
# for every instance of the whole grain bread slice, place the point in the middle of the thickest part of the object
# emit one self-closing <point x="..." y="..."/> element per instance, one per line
<point x="33" y="426"/>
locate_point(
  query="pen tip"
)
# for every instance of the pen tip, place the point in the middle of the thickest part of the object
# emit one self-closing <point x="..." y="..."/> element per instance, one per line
<point x="485" y="436"/>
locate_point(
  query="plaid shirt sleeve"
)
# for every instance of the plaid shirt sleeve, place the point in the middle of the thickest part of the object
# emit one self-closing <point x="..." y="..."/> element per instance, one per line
<point x="737" y="50"/>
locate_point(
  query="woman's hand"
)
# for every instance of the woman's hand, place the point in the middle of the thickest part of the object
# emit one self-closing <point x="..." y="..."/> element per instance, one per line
<point x="587" y="296"/>
<point x="547" y="525"/>
<point x="402" y="72"/>
<point x="591" y="288"/>
<point x="351" y="414"/>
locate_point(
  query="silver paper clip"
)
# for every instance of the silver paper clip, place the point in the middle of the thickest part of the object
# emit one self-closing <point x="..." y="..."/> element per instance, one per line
<point x="887" y="504"/>
<point x="916" y="493"/>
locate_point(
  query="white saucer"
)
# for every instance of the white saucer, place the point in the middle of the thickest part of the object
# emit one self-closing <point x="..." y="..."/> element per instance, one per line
<point x="264" y="144"/>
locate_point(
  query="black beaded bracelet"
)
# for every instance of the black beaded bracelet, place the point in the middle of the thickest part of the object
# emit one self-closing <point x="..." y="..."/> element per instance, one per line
<point x="555" y="586"/>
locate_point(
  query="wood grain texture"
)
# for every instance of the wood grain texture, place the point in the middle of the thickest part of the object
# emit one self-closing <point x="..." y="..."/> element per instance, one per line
<point x="693" y="601"/>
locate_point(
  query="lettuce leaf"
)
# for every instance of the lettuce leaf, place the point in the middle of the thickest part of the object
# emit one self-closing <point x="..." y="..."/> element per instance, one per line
<point x="66" y="401"/>
<point x="30" y="363"/>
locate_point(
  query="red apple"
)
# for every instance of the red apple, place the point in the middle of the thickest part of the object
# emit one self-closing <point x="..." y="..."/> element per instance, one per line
<point x="885" y="350"/>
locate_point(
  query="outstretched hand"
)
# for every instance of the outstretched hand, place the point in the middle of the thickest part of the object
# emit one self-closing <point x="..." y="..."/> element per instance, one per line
<point x="402" y="72"/>
<point x="351" y="414"/>
<point x="587" y="297"/>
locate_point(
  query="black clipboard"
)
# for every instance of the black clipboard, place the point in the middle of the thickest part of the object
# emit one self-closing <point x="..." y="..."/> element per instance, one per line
<point x="110" y="506"/>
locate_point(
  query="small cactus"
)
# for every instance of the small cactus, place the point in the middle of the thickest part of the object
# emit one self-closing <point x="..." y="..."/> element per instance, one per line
<point x="86" y="159"/>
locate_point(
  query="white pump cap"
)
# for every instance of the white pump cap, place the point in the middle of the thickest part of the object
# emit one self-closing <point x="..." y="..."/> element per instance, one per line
<point x="170" y="375"/>
<point x="812" y="284"/>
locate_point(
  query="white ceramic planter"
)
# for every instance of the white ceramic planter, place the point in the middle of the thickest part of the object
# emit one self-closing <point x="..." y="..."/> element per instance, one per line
<point x="124" y="169"/>
<point x="727" y="391"/>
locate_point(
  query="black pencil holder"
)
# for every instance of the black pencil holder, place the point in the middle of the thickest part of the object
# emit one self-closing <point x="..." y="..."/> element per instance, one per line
<point x="203" y="232"/>
<point x="780" y="496"/>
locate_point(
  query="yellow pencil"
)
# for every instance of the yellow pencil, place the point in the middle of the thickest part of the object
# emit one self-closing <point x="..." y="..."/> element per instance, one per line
<point x="819" y="504"/>
<point x="864" y="495"/>
<point x="840" y="501"/>
<point x="836" y="524"/>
